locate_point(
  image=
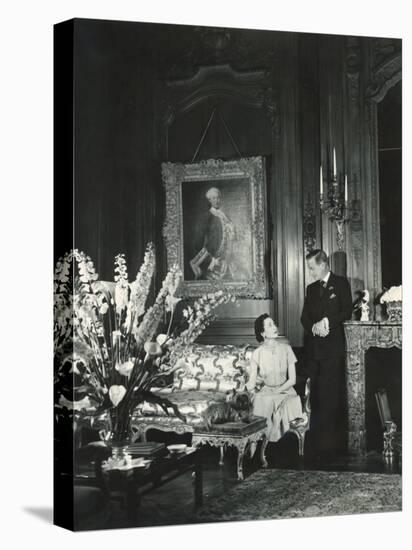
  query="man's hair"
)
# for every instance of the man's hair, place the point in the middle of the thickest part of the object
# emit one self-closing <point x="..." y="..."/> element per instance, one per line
<point x="319" y="255"/>
<point x="209" y="192"/>
<point x="259" y="326"/>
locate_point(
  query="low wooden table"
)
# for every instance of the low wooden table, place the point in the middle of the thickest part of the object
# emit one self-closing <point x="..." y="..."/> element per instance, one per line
<point x="133" y="483"/>
<point x="238" y="434"/>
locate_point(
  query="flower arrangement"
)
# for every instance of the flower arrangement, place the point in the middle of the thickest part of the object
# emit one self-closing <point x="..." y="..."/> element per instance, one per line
<point x="393" y="300"/>
<point x="394" y="294"/>
<point x="118" y="348"/>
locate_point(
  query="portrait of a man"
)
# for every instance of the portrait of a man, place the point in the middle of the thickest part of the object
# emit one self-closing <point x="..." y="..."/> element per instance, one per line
<point x="215" y="226"/>
<point x="219" y="243"/>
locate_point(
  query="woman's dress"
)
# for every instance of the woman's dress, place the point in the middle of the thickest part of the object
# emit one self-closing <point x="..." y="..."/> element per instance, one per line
<point x="269" y="365"/>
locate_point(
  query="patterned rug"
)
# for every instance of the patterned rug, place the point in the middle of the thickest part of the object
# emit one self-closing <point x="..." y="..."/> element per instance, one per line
<point x="273" y="494"/>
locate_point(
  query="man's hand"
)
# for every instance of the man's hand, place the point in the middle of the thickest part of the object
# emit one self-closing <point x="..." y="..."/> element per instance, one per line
<point x="214" y="264"/>
<point x="321" y="328"/>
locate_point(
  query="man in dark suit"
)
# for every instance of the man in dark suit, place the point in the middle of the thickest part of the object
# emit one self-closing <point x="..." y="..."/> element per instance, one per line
<point x="328" y="303"/>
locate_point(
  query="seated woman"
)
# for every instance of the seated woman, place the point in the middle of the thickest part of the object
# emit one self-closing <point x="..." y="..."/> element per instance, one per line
<point x="272" y="377"/>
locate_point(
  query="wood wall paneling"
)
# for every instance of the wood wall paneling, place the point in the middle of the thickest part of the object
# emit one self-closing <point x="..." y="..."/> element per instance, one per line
<point x="288" y="199"/>
<point x="309" y="131"/>
<point x="206" y="117"/>
<point x="143" y="97"/>
<point x="115" y="200"/>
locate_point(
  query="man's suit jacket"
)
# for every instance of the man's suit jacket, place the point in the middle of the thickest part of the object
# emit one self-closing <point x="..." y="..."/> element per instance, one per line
<point x="333" y="302"/>
<point x="207" y="243"/>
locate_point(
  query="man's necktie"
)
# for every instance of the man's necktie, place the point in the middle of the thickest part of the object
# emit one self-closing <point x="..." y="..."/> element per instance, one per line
<point x="322" y="287"/>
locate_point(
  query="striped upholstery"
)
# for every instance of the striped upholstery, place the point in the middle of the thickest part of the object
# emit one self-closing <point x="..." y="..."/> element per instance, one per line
<point x="211" y="372"/>
<point x="214" y="368"/>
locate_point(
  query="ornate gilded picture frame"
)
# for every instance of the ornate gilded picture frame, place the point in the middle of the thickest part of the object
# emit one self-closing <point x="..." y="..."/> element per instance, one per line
<point x="215" y="227"/>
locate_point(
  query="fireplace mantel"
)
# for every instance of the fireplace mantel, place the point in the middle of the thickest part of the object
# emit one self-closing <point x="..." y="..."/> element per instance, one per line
<point x="360" y="336"/>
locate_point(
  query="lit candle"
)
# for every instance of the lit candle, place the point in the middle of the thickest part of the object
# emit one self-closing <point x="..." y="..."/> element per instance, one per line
<point x="334" y="163"/>
<point x="346" y="188"/>
<point x="321" y="181"/>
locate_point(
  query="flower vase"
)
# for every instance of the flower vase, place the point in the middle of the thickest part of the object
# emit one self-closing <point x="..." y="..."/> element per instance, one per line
<point x="119" y="437"/>
<point x="119" y="457"/>
<point x="394" y="311"/>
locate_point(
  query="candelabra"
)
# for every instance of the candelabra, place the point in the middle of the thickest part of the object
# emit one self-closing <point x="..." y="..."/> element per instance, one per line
<point x="335" y="207"/>
<point x="335" y="204"/>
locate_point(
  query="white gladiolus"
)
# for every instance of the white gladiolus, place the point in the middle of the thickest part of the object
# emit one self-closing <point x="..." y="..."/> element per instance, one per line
<point x="171" y="302"/>
<point x="103" y="309"/>
<point x="110" y="324"/>
<point x="121" y="297"/>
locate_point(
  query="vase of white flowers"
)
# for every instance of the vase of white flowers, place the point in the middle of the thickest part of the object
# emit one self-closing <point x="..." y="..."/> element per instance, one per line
<point x="127" y="348"/>
<point x="392" y="298"/>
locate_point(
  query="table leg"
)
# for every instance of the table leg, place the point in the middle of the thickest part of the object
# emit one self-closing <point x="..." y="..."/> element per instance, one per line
<point x="222" y="453"/>
<point x="132" y="505"/>
<point x="198" y="482"/>
<point x="263" y="450"/>
<point x="241" y="454"/>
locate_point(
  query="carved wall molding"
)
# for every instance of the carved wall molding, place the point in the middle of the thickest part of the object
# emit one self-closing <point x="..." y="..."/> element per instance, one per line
<point x="375" y="240"/>
<point x="356" y="230"/>
<point x="207" y="46"/>
<point x="252" y="88"/>
<point x="309" y="224"/>
<point x="384" y="77"/>
<point x="385" y="72"/>
<point x="384" y="48"/>
<point x="353" y="64"/>
<point x="360" y="336"/>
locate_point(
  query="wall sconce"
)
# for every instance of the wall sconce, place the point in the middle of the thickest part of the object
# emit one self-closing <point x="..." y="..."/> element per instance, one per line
<point x="335" y="204"/>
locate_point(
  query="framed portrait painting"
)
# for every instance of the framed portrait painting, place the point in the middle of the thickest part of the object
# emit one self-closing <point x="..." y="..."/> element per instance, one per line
<point x="215" y="227"/>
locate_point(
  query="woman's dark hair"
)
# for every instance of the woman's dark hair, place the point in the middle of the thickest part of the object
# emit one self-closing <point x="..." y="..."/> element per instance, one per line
<point x="259" y="326"/>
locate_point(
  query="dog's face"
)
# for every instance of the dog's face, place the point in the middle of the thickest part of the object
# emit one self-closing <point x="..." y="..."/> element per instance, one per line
<point x="243" y="401"/>
<point x="240" y="401"/>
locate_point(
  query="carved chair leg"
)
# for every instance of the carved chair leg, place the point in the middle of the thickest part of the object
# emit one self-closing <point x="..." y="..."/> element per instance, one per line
<point x="241" y="454"/>
<point x="262" y="452"/>
<point x="222" y="454"/>
<point x="301" y="442"/>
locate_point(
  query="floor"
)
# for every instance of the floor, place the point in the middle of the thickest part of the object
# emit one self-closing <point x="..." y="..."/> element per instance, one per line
<point x="172" y="504"/>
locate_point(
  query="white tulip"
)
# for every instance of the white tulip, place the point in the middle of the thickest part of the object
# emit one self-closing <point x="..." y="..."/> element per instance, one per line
<point x="116" y="394"/>
<point x="125" y="368"/>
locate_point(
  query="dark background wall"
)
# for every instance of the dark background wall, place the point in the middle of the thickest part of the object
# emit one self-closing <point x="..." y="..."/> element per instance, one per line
<point x="114" y="167"/>
<point x="316" y="92"/>
<point x="390" y="184"/>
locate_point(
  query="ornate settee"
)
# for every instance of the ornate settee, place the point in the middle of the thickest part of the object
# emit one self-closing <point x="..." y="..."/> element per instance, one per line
<point x="212" y="371"/>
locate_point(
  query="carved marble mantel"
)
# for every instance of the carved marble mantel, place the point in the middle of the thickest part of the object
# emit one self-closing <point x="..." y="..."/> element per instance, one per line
<point x="360" y="336"/>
